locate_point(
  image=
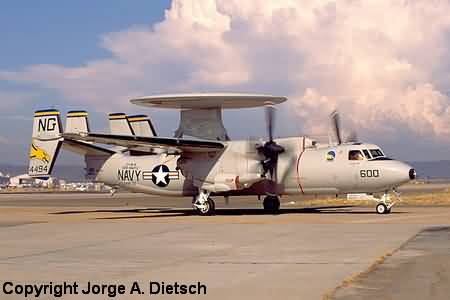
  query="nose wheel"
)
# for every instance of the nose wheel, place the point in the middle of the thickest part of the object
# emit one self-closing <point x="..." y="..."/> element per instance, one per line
<point x="382" y="209"/>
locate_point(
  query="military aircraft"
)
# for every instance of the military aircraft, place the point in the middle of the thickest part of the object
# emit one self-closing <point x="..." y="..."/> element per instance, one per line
<point x="201" y="161"/>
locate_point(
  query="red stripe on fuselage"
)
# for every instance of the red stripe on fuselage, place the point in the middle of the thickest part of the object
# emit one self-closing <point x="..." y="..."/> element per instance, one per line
<point x="298" y="167"/>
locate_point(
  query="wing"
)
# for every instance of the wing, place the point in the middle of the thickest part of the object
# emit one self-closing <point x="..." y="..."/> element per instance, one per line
<point x="139" y="142"/>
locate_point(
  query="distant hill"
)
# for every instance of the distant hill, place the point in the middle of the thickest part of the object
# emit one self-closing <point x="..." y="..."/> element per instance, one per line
<point x="425" y="170"/>
<point x="432" y="169"/>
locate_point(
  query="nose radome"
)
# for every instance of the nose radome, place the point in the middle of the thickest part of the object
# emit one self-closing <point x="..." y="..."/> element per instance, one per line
<point x="399" y="172"/>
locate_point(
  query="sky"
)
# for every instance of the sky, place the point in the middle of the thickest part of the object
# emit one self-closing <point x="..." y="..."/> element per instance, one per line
<point x="385" y="65"/>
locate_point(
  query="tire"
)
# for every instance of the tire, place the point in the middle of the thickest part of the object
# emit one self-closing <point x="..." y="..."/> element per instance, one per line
<point x="271" y="205"/>
<point x="209" y="208"/>
<point x="381" y="209"/>
<point x="212" y="204"/>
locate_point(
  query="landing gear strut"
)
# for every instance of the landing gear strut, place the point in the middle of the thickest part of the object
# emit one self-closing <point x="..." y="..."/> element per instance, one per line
<point x="271" y="204"/>
<point x="204" y="205"/>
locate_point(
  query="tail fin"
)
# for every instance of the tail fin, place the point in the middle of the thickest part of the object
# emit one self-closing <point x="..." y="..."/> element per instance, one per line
<point x="46" y="142"/>
<point x="118" y="123"/>
<point x="77" y="122"/>
<point x="142" y="125"/>
<point x="94" y="155"/>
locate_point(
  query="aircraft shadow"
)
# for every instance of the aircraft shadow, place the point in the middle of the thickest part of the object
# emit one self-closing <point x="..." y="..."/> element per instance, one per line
<point x="159" y="212"/>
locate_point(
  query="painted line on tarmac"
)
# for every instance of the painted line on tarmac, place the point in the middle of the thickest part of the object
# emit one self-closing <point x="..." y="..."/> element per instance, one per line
<point x="381" y="219"/>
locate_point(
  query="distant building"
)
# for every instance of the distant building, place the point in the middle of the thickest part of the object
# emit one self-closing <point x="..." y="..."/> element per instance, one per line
<point x="21" y="181"/>
<point x="4" y="180"/>
<point x="25" y="181"/>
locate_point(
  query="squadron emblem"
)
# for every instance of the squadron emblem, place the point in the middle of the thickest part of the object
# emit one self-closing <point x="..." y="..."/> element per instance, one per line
<point x="331" y="155"/>
<point x="39" y="154"/>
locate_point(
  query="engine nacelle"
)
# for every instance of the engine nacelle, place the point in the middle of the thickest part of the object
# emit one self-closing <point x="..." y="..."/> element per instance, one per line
<point x="225" y="182"/>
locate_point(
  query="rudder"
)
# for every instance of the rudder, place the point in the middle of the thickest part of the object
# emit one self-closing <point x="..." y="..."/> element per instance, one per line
<point x="77" y="122"/>
<point x="46" y="142"/>
<point x="142" y="125"/>
<point x="118" y="123"/>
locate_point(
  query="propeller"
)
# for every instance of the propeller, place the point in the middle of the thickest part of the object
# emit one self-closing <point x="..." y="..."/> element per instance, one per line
<point x="270" y="120"/>
<point x="270" y="150"/>
<point x="336" y="124"/>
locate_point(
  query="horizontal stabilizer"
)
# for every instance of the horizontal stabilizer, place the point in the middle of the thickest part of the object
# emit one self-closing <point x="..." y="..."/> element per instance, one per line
<point x="84" y="148"/>
<point x="132" y="142"/>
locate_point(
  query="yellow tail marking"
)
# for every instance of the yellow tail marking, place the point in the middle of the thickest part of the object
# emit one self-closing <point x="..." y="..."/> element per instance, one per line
<point x="38" y="153"/>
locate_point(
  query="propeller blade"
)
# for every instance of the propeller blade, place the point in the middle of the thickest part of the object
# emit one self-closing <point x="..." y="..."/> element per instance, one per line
<point x="270" y="120"/>
<point x="336" y="126"/>
<point x="270" y="149"/>
<point x="273" y="171"/>
<point x="291" y="164"/>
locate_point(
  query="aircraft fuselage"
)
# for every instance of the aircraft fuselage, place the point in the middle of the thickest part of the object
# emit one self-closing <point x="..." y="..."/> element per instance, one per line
<point x="307" y="169"/>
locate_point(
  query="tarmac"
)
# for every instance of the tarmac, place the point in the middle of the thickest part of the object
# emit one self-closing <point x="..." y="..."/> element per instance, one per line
<point x="336" y="252"/>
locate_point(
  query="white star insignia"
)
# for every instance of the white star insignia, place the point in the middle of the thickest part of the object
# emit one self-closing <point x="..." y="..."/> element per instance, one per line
<point x="161" y="176"/>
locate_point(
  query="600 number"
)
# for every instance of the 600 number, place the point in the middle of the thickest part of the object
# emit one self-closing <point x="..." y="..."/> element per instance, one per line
<point x="369" y="173"/>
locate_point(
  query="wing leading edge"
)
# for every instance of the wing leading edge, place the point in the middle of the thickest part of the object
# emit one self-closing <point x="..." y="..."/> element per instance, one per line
<point x="131" y="142"/>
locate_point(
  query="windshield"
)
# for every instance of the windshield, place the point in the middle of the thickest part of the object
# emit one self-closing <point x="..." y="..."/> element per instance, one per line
<point x="367" y="154"/>
<point x="376" y="153"/>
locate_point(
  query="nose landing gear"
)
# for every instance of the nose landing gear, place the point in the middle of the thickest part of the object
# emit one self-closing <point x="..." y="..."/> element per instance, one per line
<point x="385" y="204"/>
<point x="382" y="208"/>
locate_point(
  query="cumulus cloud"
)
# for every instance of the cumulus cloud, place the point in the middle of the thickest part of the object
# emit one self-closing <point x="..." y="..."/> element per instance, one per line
<point x="384" y="64"/>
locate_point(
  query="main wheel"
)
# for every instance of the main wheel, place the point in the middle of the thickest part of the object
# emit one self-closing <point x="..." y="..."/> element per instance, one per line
<point x="382" y="208"/>
<point x="208" y="208"/>
<point x="271" y="204"/>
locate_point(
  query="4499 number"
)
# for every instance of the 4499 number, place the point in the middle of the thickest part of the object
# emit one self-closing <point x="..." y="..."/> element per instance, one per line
<point x="38" y="169"/>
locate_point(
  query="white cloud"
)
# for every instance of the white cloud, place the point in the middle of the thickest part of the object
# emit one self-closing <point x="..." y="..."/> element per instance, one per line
<point x="384" y="64"/>
<point x="13" y="99"/>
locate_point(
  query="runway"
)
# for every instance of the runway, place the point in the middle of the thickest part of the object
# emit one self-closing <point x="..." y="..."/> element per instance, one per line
<point x="303" y="253"/>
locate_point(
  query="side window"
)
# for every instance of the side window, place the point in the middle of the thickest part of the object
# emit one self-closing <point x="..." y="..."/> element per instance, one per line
<point x="355" y="155"/>
<point x="367" y="154"/>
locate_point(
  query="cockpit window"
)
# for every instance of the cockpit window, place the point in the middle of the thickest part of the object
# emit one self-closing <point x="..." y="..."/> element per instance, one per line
<point x="376" y="153"/>
<point x="367" y="154"/>
<point x="355" y="155"/>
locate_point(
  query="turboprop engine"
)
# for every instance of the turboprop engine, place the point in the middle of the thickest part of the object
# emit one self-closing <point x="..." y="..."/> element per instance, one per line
<point x="229" y="182"/>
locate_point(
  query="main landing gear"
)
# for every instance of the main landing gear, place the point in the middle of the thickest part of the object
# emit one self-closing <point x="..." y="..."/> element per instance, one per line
<point x="204" y="205"/>
<point x="385" y="204"/>
<point x="271" y="204"/>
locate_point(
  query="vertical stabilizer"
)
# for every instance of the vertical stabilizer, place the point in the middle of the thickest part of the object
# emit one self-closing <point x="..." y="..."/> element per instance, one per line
<point x="77" y="122"/>
<point x="46" y="142"/>
<point x="119" y="125"/>
<point x="142" y="125"/>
